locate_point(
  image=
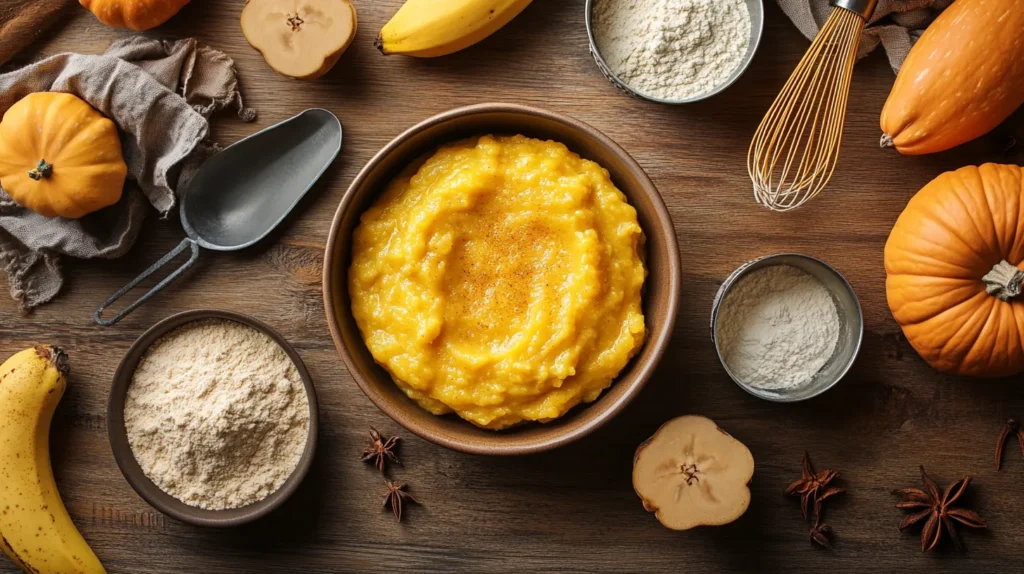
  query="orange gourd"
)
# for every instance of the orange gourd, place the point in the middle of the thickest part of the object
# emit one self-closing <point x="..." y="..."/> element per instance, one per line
<point x="138" y="15"/>
<point x="953" y="271"/>
<point x="59" y="156"/>
<point x="962" y="79"/>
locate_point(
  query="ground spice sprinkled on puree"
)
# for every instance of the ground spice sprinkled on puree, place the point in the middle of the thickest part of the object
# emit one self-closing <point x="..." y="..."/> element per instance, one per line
<point x="500" y="280"/>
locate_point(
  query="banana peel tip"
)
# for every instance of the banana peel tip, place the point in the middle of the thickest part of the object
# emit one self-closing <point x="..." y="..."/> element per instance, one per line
<point x="55" y="355"/>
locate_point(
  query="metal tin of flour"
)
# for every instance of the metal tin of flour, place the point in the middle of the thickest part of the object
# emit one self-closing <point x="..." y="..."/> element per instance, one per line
<point x="851" y="328"/>
<point x="756" y="9"/>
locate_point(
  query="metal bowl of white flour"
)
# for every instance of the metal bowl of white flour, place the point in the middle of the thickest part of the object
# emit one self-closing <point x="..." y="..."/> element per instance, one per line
<point x="786" y="327"/>
<point x="674" y="51"/>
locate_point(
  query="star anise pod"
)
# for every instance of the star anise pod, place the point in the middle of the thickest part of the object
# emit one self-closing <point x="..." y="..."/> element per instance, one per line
<point x="395" y="496"/>
<point x="938" y="509"/>
<point x="821" y="534"/>
<point x="812" y="488"/>
<point x="1012" y="427"/>
<point x="381" y="450"/>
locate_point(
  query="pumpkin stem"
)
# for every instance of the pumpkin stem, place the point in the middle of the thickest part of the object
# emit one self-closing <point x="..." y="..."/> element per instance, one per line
<point x="42" y="170"/>
<point x="886" y="141"/>
<point x="1004" y="281"/>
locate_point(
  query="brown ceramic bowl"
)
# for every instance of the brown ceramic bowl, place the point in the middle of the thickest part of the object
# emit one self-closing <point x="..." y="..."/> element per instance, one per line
<point x="130" y="468"/>
<point x="660" y="299"/>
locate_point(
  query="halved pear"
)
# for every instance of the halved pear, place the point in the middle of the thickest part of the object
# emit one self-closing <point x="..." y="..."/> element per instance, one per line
<point x="299" y="38"/>
<point x="693" y="473"/>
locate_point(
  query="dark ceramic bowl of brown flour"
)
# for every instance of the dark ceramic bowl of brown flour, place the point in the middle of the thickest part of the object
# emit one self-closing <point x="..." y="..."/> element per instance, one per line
<point x="126" y="458"/>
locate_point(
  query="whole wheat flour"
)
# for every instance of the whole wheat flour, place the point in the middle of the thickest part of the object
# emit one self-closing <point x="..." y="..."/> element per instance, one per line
<point x="216" y="414"/>
<point x="672" y="49"/>
<point x="777" y="328"/>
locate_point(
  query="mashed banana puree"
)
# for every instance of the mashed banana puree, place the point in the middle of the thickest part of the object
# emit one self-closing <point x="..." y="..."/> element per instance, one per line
<point x="500" y="279"/>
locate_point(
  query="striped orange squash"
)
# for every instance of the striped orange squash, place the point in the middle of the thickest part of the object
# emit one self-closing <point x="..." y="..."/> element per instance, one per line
<point x="962" y="78"/>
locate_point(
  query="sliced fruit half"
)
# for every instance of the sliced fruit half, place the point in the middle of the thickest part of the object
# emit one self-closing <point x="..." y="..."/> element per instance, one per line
<point x="693" y="473"/>
<point x="300" y="38"/>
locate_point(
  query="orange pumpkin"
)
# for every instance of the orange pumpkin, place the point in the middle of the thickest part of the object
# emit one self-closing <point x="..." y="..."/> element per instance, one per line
<point x="138" y="15"/>
<point x="962" y="78"/>
<point x="953" y="271"/>
<point x="59" y="156"/>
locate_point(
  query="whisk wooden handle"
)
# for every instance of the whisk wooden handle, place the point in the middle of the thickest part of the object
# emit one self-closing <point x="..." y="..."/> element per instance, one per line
<point x="865" y="8"/>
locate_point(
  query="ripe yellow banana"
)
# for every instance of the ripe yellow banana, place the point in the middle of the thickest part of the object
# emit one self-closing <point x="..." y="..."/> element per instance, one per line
<point x="430" y="28"/>
<point x="35" y="529"/>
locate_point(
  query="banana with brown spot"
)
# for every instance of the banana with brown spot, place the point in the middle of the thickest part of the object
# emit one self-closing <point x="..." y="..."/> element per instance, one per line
<point x="35" y="529"/>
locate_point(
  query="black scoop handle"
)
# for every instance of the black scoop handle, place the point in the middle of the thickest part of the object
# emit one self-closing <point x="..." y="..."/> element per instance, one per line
<point x="186" y="243"/>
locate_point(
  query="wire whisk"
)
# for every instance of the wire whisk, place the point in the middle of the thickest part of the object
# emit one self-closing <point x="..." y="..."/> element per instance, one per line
<point x="796" y="147"/>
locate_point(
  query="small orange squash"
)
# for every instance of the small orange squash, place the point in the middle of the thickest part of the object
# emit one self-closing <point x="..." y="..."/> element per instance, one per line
<point x="962" y="78"/>
<point x="59" y="156"/>
<point x="953" y="271"/>
<point x="138" y="15"/>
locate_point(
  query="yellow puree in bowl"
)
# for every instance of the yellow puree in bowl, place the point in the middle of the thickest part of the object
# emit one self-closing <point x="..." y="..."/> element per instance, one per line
<point x="500" y="280"/>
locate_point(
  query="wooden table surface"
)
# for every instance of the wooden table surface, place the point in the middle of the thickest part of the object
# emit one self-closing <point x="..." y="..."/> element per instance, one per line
<point x="573" y="509"/>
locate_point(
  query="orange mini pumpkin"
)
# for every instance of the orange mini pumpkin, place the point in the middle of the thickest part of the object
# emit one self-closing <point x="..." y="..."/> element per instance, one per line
<point x="138" y="15"/>
<point x="59" y="156"/>
<point x="953" y="271"/>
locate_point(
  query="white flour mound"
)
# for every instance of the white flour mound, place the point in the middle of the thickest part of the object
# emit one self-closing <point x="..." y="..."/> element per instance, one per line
<point x="672" y="49"/>
<point x="777" y="328"/>
<point x="217" y="415"/>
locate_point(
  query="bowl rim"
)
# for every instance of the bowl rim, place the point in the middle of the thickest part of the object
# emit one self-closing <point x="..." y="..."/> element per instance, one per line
<point x="132" y="471"/>
<point x="756" y="34"/>
<point x="770" y="261"/>
<point x="659" y="340"/>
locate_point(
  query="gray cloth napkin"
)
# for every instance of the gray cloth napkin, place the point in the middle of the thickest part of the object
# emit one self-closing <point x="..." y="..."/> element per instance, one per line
<point x="896" y="24"/>
<point x="160" y="94"/>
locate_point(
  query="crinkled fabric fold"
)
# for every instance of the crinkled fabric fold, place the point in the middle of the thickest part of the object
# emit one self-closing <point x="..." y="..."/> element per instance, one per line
<point x="895" y="25"/>
<point x="160" y="94"/>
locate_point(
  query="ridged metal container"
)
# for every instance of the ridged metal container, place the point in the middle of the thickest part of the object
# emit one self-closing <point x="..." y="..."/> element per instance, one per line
<point x="756" y="9"/>
<point x="851" y="325"/>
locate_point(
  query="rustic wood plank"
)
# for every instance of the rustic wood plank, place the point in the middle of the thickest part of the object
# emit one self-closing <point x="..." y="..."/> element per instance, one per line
<point x="573" y="509"/>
